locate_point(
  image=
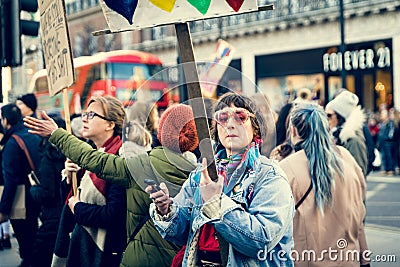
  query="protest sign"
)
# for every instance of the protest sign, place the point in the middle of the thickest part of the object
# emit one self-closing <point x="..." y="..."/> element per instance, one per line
<point x="56" y="45"/>
<point x="134" y="14"/>
<point x="57" y="55"/>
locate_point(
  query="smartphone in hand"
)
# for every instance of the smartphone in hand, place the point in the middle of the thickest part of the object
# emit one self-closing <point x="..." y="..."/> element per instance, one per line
<point x="155" y="187"/>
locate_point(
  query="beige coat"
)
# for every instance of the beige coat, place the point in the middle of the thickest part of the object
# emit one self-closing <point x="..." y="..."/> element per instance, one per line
<point x="342" y="225"/>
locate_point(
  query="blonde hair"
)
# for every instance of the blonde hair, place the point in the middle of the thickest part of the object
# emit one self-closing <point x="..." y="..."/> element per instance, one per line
<point x="136" y="133"/>
<point x="113" y="111"/>
<point x="77" y="126"/>
<point x="143" y="112"/>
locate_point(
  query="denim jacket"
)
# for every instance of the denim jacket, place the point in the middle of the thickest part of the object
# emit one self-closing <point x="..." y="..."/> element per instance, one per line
<point x="254" y="214"/>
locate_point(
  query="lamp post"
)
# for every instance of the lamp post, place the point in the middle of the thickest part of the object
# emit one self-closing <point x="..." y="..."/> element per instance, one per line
<point x="342" y="43"/>
<point x="220" y="27"/>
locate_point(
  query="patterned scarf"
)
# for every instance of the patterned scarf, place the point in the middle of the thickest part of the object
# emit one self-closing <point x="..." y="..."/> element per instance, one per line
<point x="227" y="165"/>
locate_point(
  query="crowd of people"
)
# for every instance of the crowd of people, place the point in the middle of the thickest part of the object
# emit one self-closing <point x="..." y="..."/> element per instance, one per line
<point x="144" y="196"/>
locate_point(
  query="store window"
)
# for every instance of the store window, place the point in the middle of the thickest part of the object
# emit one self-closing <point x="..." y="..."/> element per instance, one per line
<point x="281" y="90"/>
<point x="384" y="90"/>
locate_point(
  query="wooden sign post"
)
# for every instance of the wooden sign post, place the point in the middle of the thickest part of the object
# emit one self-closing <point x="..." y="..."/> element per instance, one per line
<point x="195" y="96"/>
<point x="57" y="55"/>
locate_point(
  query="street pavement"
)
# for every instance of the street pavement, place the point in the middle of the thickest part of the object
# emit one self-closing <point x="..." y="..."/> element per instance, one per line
<point x="10" y="257"/>
<point x="383" y="200"/>
<point x="383" y="219"/>
<point x="382" y="224"/>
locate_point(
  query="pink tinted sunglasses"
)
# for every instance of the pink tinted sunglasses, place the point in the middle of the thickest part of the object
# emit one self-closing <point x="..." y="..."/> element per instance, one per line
<point x="239" y="115"/>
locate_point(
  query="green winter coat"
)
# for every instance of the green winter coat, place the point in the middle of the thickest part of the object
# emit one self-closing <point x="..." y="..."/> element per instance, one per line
<point x="147" y="248"/>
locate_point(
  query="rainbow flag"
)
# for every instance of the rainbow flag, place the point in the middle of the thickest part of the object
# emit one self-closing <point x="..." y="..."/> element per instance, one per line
<point x="215" y="68"/>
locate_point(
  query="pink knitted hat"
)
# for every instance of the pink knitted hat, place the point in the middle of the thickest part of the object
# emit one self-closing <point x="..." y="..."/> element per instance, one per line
<point x="177" y="130"/>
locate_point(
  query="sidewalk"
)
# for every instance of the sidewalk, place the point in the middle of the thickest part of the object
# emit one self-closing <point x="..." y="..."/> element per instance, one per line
<point x="10" y="257"/>
<point x="383" y="242"/>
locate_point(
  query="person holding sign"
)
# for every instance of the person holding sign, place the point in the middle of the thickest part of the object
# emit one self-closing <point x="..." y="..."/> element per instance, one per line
<point x="170" y="163"/>
<point x="97" y="213"/>
<point x="245" y="218"/>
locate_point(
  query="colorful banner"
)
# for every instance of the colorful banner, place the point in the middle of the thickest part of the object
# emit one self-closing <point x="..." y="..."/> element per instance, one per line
<point x="215" y="69"/>
<point x="122" y="15"/>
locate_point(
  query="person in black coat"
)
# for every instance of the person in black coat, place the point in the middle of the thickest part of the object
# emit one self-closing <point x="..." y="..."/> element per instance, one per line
<point x="15" y="171"/>
<point x="47" y="195"/>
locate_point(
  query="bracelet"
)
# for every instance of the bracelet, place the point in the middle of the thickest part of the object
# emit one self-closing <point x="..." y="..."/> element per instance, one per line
<point x="53" y="132"/>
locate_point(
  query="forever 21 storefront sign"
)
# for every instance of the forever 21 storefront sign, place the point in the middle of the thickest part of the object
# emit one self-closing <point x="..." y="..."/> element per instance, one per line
<point x="357" y="59"/>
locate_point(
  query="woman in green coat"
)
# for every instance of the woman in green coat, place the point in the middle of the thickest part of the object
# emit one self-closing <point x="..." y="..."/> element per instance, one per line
<point x="169" y="164"/>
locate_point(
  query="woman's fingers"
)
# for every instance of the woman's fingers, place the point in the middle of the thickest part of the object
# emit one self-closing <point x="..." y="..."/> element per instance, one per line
<point x="40" y="127"/>
<point x="164" y="188"/>
<point x="70" y="166"/>
<point x="33" y="124"/>
<point x="205" y="178"/>
<point x="160" y="198"/>
<point x="30" y="123"/>
<point x="148" y="189"/>
<point x="45" y="116"/>
<point x="158" y="194"/>
<point x="208" y="188"/>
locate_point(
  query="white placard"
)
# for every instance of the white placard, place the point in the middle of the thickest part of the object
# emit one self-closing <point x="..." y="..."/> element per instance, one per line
<point x="139" y="14"/>
<point x="56" y="45"/>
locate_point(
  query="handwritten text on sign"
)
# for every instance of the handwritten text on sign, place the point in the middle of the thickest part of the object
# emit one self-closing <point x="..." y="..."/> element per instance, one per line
<point x="56" y="45"/>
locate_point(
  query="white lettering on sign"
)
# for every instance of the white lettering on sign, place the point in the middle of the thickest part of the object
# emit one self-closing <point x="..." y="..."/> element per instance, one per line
<point x="357" y="59"/>
<point x="56" y="45"/>
<point x="383" y="57"/>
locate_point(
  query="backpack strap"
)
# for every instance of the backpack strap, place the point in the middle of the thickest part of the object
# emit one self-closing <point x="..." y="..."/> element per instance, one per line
<point x="23" y="147"/>
<point x="139" y="227"/>
<point x="304" y="197"/>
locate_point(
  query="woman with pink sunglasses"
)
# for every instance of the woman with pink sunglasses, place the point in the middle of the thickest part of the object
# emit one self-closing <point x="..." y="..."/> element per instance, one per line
<point x="244" y="218"/>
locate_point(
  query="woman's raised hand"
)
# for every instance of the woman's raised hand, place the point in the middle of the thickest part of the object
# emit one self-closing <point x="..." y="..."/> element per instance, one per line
<point x="41" y="127"/>
<point x="208" y="187"/>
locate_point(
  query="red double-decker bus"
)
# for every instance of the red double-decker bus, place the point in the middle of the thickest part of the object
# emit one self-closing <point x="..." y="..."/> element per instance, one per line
<point x="128" y="75"/>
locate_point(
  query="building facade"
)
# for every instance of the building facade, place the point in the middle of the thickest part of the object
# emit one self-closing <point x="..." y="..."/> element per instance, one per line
<point x="294" y="46"/>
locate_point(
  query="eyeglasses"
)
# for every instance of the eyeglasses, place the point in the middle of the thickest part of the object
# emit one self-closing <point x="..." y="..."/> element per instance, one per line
<point x="240" y="115"/>
<point x="90" y="115"/>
